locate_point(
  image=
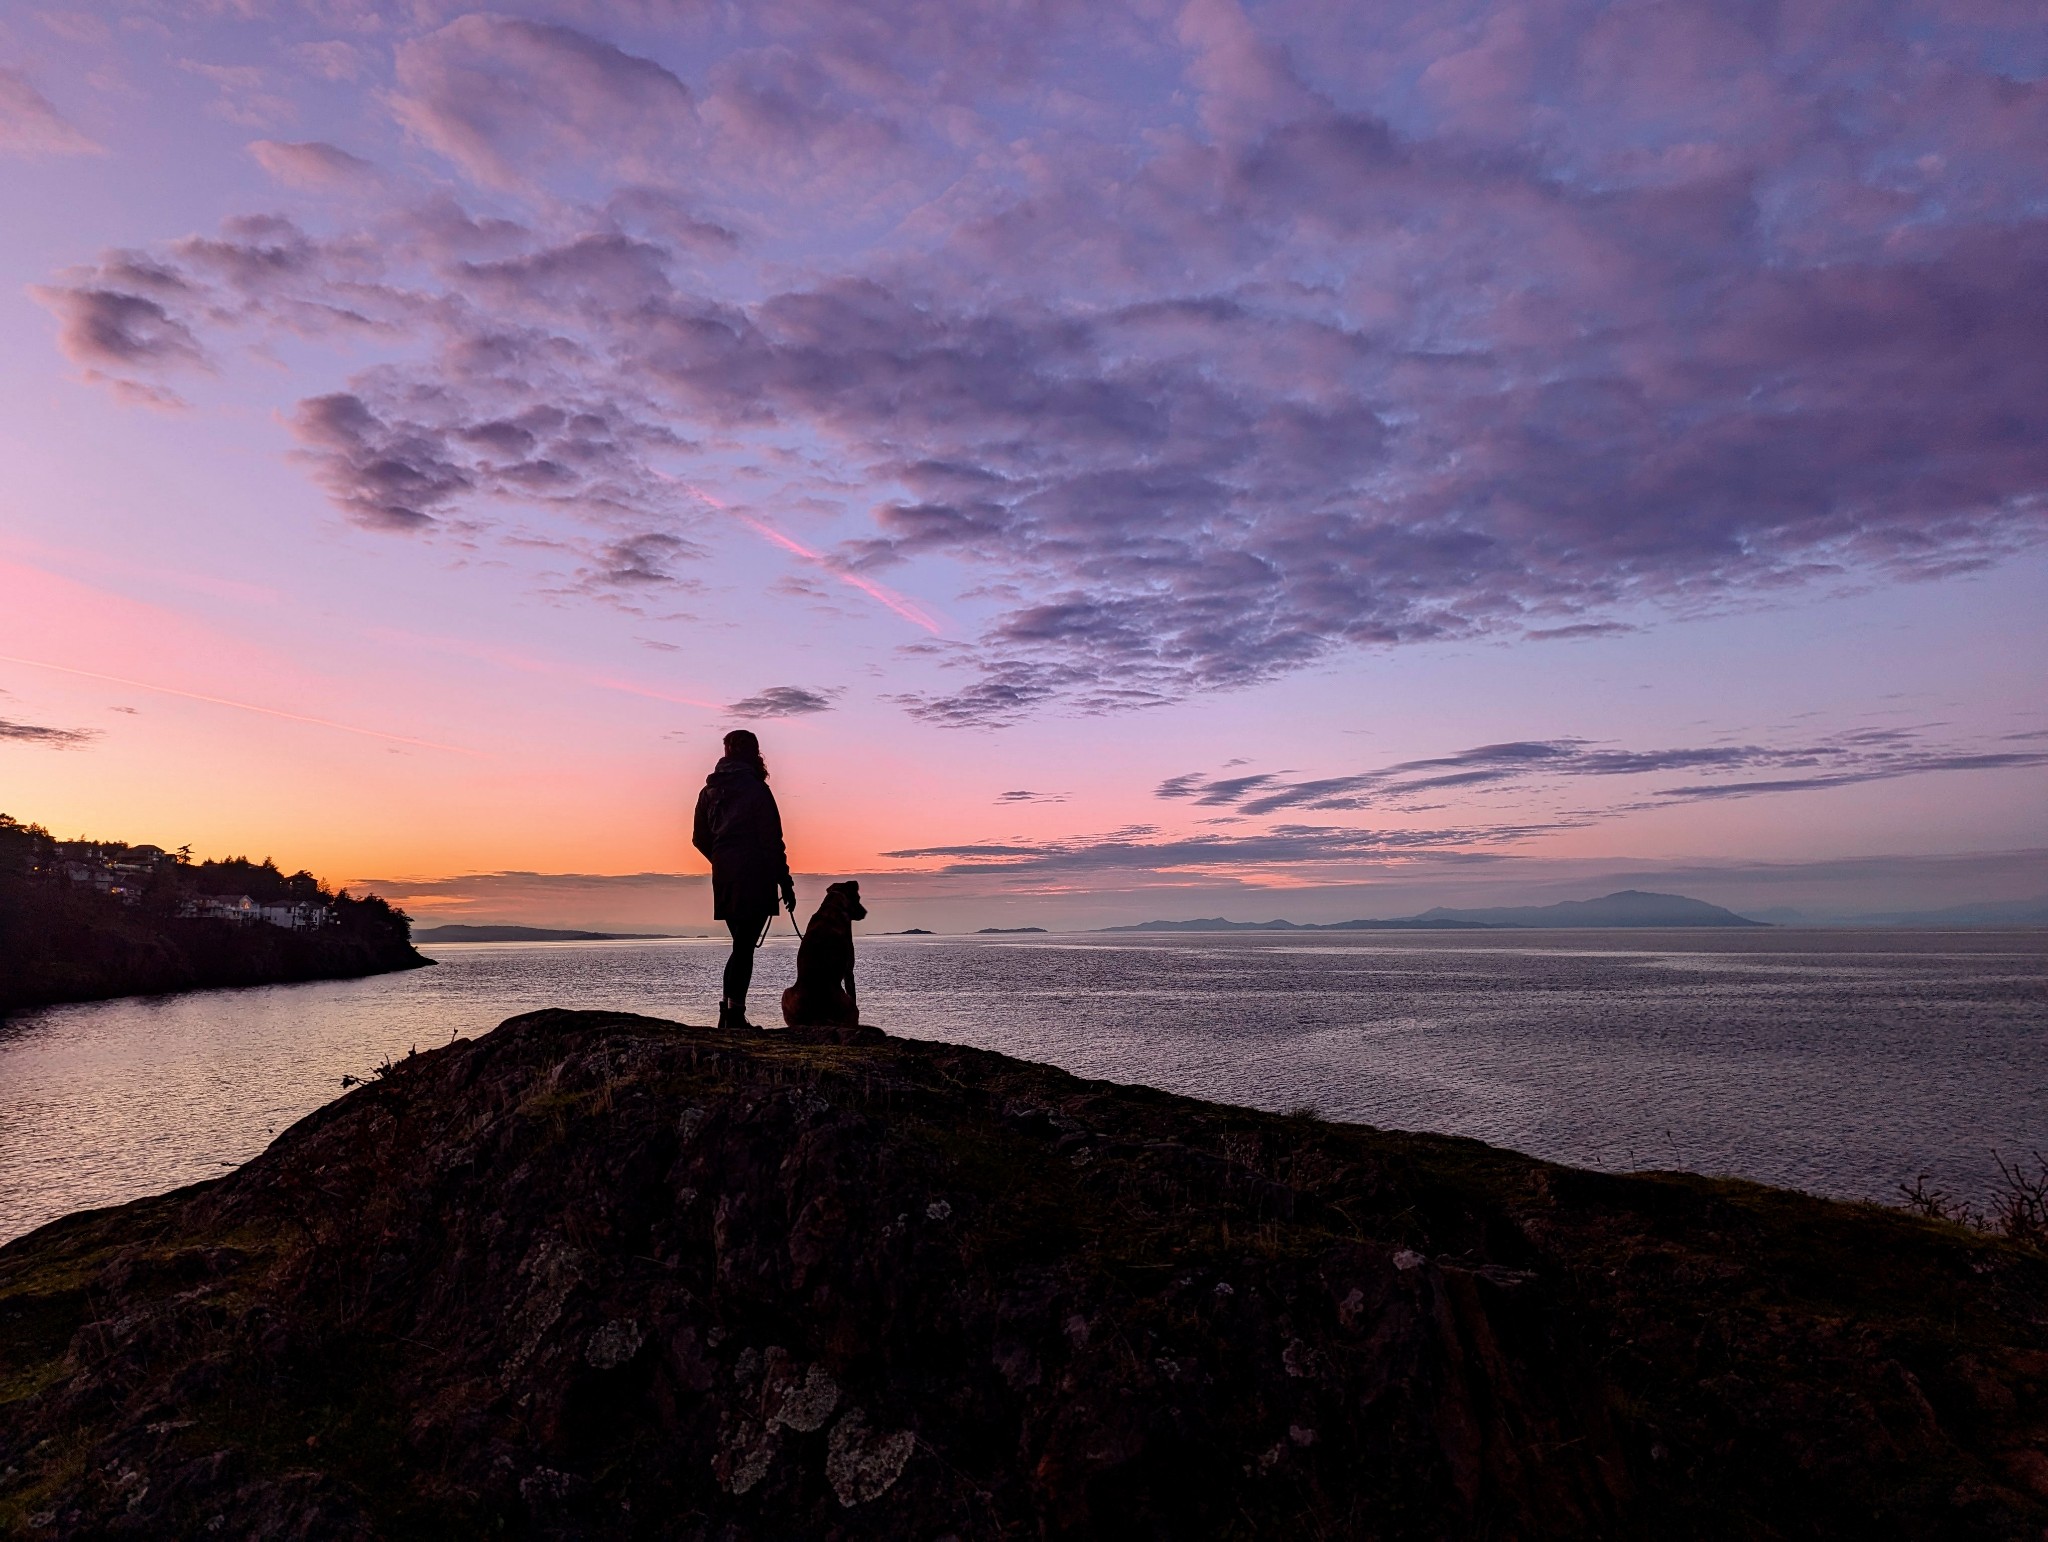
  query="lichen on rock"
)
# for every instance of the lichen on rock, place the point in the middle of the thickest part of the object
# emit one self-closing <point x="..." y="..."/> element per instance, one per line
<point x="614" y="1344"/>
<point x="863" y="1463"/>
<point x="806" y="1406"/>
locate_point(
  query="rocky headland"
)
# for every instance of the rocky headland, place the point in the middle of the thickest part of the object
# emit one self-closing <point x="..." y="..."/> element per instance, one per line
<point x="89" y="920"/>
<point x="595" y="1275"/>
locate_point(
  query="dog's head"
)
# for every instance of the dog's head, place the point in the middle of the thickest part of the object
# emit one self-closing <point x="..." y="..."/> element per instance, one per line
<point x="846" y="896"/>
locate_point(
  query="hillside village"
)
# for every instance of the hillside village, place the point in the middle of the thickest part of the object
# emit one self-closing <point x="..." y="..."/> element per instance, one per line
<point x="202" y="890"/>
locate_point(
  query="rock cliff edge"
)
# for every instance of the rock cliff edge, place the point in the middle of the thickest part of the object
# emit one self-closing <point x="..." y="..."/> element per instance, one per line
<point x="595" y="1275"/>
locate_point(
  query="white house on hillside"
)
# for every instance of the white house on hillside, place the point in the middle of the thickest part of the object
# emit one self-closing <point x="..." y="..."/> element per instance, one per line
<point x="221" y="907"/>
<point x="292" y="915"/>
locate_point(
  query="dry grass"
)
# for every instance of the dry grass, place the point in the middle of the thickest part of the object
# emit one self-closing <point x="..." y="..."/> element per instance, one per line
<point x="2018" y="1210"/>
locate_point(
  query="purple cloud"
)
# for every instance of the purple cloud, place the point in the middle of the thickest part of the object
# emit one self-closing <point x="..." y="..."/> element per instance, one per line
<point x="644" y="560"/>
<point x="1883" y="771"/>
<point x="47" y="738"/>
<point x="392" y="476"/>
<point x="1212" y="351"/>
<point x="783" y="701"/>
<point x="112" y="330"/>
<point x="497" y="96"/>
<point x="1868" y="755"/>
<point x="315" y="166"/>
<point x="1142" y="848"/>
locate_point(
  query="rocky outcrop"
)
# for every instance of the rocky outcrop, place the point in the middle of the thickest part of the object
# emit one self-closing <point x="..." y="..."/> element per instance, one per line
<point x="606" y="1276"/>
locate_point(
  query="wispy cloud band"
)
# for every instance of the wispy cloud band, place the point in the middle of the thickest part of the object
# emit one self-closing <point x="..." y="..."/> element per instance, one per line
<point x="1867" y="755"/>
<point x="47" y="738"/>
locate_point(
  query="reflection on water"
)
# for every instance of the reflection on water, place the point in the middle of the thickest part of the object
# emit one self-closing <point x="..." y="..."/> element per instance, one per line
<point x="1841" y="1062"/>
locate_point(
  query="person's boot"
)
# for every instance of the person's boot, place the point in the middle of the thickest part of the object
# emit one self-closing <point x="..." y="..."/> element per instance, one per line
<point x="733" y="1014"/>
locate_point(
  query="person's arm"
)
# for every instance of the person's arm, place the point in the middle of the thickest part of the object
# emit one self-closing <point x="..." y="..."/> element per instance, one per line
<point x="788" y="884"/>
<point x="700" y="828"/>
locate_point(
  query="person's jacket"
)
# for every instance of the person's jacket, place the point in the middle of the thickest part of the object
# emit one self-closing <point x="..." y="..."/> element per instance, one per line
<point x="740" y="829"/>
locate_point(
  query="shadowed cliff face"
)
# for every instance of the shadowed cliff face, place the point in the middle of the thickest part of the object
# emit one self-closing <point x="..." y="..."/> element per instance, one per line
<point x="596" y="1275"/>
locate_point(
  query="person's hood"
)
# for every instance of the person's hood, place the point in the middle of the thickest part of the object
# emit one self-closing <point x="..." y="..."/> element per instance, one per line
<point x="731" y="769"/>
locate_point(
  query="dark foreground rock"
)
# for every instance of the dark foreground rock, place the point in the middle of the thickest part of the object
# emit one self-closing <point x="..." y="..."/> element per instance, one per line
<point x="605" y="1276"/>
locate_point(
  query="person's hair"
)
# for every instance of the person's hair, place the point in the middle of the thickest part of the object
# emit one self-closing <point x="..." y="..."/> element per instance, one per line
<point x="741" y="744"/>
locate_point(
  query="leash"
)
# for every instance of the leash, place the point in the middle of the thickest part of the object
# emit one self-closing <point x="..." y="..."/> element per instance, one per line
<point x="768" y="926"/>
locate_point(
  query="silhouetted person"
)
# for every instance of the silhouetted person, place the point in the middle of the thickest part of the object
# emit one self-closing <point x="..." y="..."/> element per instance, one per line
<point x="740" y="829"/>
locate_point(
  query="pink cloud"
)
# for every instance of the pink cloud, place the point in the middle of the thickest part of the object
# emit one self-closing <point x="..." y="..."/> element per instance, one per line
<point x="315" y="166"/>
<point x="30" y="126"/>
<point x="504" y="98"/>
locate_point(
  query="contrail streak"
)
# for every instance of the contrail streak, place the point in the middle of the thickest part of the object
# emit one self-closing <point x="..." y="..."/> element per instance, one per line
<point x="895" y="602"/>
<point x="873" y="591"/>
<point x="239" y="706"/>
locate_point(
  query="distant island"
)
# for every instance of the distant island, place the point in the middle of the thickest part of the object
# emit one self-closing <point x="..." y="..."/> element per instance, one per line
<point x="914" y="931"/>
<point x="1628" y="907"/>
<point x="459" y="932"/>
<point x="86" y="920"/>
<point x="1007" y="931"/>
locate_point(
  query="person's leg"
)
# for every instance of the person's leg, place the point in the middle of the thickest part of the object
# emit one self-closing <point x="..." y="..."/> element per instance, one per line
<point x="739" y="970"/>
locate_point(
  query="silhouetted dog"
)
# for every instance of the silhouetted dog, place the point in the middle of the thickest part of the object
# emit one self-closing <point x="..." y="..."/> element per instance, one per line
<point x="823" y="993"/>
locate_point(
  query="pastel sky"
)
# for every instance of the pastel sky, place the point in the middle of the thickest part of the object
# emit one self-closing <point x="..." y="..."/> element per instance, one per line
<point x="1126" y="460"/>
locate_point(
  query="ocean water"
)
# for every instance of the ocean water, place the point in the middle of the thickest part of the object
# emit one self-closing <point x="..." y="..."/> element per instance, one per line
<point x="1839" y="1062"/>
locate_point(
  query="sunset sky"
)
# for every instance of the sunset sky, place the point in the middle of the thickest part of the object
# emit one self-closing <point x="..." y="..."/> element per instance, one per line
<point x="1161" y="459"/>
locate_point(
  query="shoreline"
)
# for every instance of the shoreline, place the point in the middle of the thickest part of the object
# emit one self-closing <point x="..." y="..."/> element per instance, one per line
<point x="11" y="1010"/>
<point x="14" y="1013"/>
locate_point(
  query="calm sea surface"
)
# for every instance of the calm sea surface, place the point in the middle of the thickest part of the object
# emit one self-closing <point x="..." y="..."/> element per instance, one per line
<point x="1841" y="1062"/>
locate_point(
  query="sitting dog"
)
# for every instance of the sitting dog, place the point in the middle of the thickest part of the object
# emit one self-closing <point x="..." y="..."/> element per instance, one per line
<point x="823" y="994"/>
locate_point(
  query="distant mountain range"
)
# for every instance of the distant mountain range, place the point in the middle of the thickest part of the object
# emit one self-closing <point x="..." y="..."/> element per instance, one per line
<point x="1629" y="907"/>
<point x="459" y="933"/>
<point x="2033" y="912"/>
<point x="1218" y="924"/>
